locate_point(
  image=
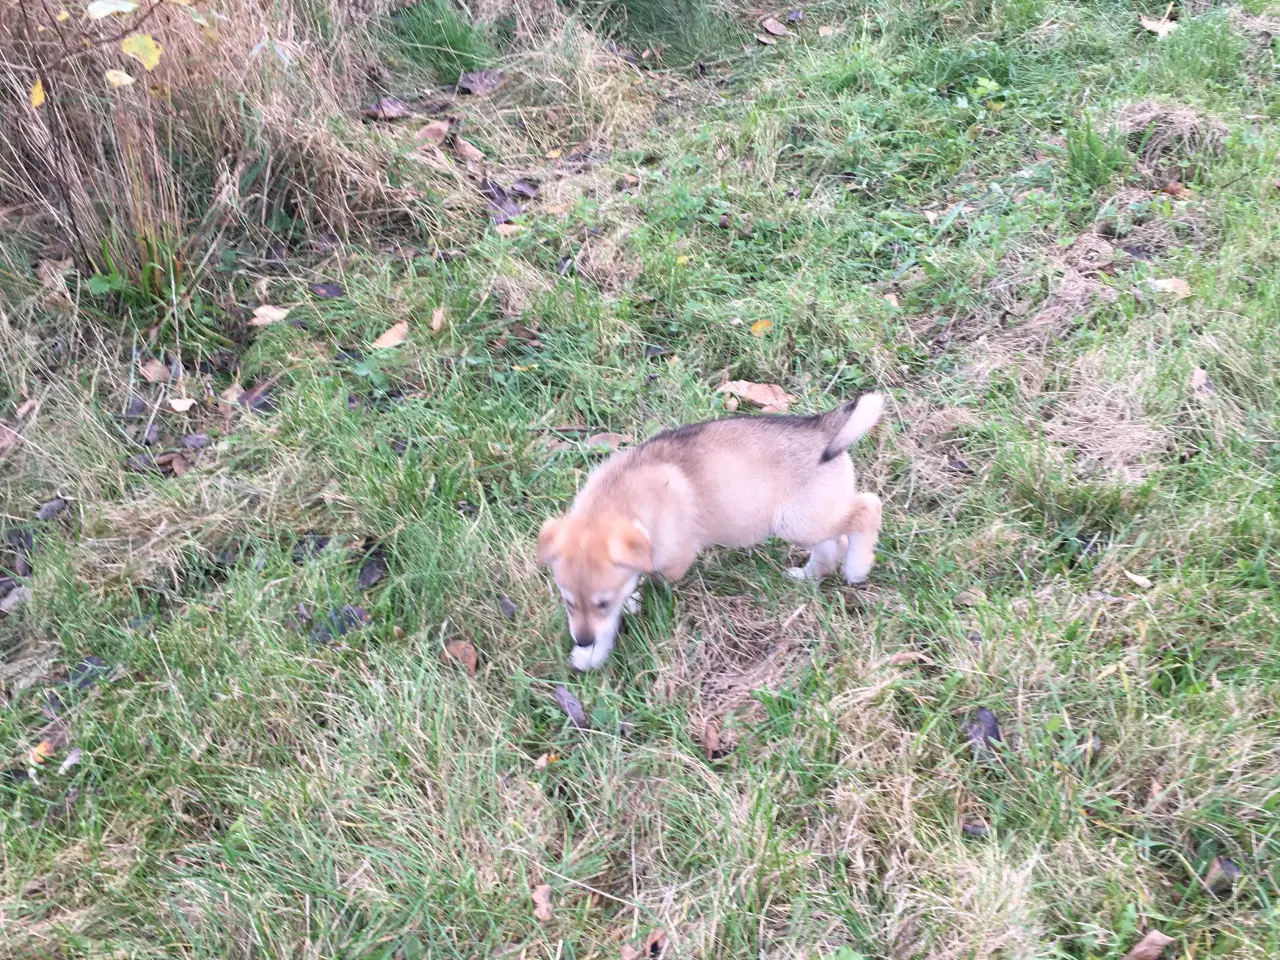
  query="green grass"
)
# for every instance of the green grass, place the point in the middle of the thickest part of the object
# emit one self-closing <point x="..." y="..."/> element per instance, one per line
<point x="247" y="791"/>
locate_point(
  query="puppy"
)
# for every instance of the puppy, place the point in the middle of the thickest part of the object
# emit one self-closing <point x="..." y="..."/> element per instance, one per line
<point x="731" y="482"/>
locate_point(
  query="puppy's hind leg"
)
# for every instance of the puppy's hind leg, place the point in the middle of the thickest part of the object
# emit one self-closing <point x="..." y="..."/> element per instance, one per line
<point x="824" y="557"/>
<point x="864" y="529"/>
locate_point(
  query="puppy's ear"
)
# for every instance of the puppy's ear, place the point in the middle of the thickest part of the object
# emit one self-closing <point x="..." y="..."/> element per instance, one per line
<point x="548" y="541"/>
<point x="630" y="546"/>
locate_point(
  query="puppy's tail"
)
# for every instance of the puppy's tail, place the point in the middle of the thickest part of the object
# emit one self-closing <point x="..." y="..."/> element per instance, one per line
<point x="852" y="421"/>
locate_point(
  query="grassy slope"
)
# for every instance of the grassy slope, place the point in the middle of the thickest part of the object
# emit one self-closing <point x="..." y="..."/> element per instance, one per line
<point x="247" y="793"/>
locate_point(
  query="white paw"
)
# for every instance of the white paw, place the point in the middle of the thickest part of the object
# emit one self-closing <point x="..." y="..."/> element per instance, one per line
<point x="798" y="573"/>
<point x="856" y="578"/>
<point x="632" y="603"/>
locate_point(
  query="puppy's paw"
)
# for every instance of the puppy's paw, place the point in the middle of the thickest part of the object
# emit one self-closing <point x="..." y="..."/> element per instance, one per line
<point x="632" y="603"/>
<point x="798" y="573"/>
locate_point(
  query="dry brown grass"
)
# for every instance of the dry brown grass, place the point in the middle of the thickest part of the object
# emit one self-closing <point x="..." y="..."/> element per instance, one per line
<point x="1171" y="140"/>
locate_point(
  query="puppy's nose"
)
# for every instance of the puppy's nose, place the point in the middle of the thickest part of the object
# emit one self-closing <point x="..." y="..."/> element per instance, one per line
<point x="584" y="639"/>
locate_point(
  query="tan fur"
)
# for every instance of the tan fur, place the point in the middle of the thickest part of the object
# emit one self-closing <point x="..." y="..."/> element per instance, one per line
<point x="731" y="482"/>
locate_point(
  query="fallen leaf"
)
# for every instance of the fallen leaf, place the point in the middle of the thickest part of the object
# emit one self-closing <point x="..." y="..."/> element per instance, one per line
<point x="1138" y="580"/>
<point x="1149" y="947"/>
<point x="467" y="151"/>
<point x="1221" y="876"/>
<point x="826" y="31"/>
<point x="1200" y="381"/>
<point x="118" y="78"/>
<point x="14" y="599"/>
<point x="761" y="327"/>
<point x="393" y="336"/>
<point x="195" y="441"/>
<point x="653" y="947"/>
<point x="971" y="597"/>
<point x="506" y="606"/>
<point x="767" y="40"/>
<point x="53" y="508"/>
<point x="770" y="397"/>
<point x="507" y="229"/>
<point x="181" y="404"/>
<point x="976" y="829"/>
<point x="1161" y="28"/>
<point x="544" y="761"/>
<point x="480" y="82"/>
<point x="73" y="759"/>
<point x="37" y="94"/>
<point x="327" y="291"/>
<point x="62" y="16"/>
<point x="388" y="108"/>
<point x="155" y="371"/>
<point x="795" y="16"/>
<point x="892" y="300"/>
<point x="1176" y="189"/>
<point x="437" y="319"/>
<point x="713" y="745"/>
<point x="463" y="652"/>
<point x="266" y="314"/>
<point x="143" y="48"/>
<point x="542" y="902"/>
<point x="433" y="133"/>
<point x="774" y="26"/>
<point x="554" y="154"/>
<point x="107" y="8"/>
<point x="502" y="207"/>
<point x="258" y="397"/>
<point x="572" y="706"/>
<point x="607" y="441"/>
<point x="339" y="623"/>
<point x="984" y="731"/>
<point x="88" y="672"/>
<point x="41" y="752"/>
<point x="179" y="464"/>
<point x="1175" y="285"/>
<point x="372" y="570"/>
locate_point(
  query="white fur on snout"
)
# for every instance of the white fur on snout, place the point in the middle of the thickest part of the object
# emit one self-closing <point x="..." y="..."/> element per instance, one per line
<point x="589" y="658"/>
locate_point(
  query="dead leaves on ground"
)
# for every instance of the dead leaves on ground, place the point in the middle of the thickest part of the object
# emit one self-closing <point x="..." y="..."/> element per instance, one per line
<point x="572" y="707"/>
<point x="770" y="397"/>
<point x="463" y="652"/>
<point x="438" y="317"/>
<point x="480" y="83"/>
<point x="265" y="315"/>
<point x="1149" y="947"/>
<point x="393" y="336"/>
<point x="542" y="902"/>
<point x="388" y="108"/>
<point x="653" y="947"/>
<point x="1176" y="286"/>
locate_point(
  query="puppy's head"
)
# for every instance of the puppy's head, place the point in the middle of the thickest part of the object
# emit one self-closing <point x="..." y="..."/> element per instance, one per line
<point x="596" y="562"/>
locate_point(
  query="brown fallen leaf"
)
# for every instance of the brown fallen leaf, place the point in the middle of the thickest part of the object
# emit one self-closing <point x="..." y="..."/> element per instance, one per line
<point x="542" y="902"/>
<point x="154" y="371"/>
<point x="14" y="599"/>
<point x="388" y="108"/>
<point x="480" y="82"/>
<point x="545" y="761"/>
<point x="437" y="319"/>
<point x="507" y="229"/>
<point x="1221" y="876"/>
<point x="712" y="744"/>
<point x="774" y="26"/>
<point x="1149" y="947"/>
<point x="393" y="336"/>
<point x="767" y="40"/>
<point x="266" y="314"/>
<point x="826" y="31"/>
<point x="38" y="754"/>
<point x="433" y="133"/>
<point x="572" y="706"/>
<point x="467" y="151"/>
<point x="607" y="441"/>
<point x="463" y="652"/>
<point x="1174" y="285"/>
<point x="761" y="327"/>
<point x="770" y="397"/>
<point x="891" y="299"/>
<point x="1176" y="189"/>
<point x="971" y="597"/>
<point x="1200" y="381"/>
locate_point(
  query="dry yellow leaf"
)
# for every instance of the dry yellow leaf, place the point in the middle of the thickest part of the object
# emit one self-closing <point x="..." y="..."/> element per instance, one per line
<point x="393" y="336"/>
<point x="542" y="902"/>
<point x="507" y="229"/>
<point x="181" y="404"/>
<point x="266" y="315"/>
<point x="156" y="371"/>
<point x="891" y="299"/>
<point x="143" y="48"/>
<point x="826" y="31"/>
<point x="438" y="318"/>
<point x="118" y="78"/>
<point x="761" y="327"/>
<point x="37" y="94"/>
<point x="467" y="151"/>
<point x="1175" y="285"/>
